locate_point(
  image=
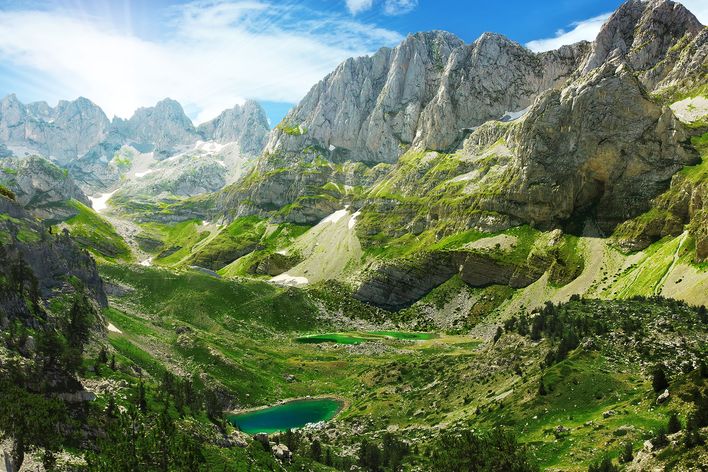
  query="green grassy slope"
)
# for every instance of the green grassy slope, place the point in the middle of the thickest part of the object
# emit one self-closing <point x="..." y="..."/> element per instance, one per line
<point x="242" y="336"/>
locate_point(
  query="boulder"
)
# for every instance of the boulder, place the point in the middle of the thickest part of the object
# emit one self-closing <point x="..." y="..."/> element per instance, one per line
<point x="281" y="452"/>
<point x="663" y="397"/>
<point x="262" y="438"/>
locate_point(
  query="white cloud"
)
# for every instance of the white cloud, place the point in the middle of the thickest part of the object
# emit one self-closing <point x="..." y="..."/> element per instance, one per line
<point x="358" y="6"/>
<point x="581" y="30"/>
<point x="399" y="7"/>
<point x="214" y="54"/>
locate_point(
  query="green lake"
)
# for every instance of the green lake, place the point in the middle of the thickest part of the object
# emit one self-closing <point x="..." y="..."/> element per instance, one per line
<point x="289" y="415"/>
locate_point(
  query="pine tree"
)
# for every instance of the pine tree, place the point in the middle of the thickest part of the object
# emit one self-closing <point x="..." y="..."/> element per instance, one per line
<point x="627" y="453"/>
<point x="111" y="407"/>
<point x="113" y="362"/>
<point x="498" y="334"/>
<point x="605" y="465"/>
<point x="674" y="424"/>
<point x="328" y="458"/>
<point x="692" y="437"/>
<point x="142" y="402"/>
<point x="542" y="389"/>
<point x="316" y="450"/>
<point x="660" y="440"/>
<point x="103" y="356"/>
<point x="659" y="381"/>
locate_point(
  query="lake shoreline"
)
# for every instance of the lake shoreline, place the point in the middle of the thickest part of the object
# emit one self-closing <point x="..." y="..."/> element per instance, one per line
<point x="345" y="403"/>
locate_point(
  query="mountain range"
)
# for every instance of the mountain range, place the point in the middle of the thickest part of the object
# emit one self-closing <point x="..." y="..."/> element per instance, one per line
<point x="477" y="250"/>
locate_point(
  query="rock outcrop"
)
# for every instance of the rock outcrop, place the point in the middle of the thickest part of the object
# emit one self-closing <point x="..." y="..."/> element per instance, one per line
<point x="600" y="144"/>
<point x="245" y="124"/>
<point x="397" y="284"/>
<point x="54" y="262"/>
<point x="650" y="36"/>
<point x="41" y="187"/>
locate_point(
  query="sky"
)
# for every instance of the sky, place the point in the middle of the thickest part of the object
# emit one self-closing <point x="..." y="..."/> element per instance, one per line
<point x="213" y="54"/>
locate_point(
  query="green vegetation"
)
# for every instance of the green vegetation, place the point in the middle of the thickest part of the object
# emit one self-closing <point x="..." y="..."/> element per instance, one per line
<point x="402" y="335"/>
<point x="292" y="130"/>
<point x="330" y="338"/>
<point x="96" y="234"/>
<point x="6" y="192"/>
<point x="356" y="338"/>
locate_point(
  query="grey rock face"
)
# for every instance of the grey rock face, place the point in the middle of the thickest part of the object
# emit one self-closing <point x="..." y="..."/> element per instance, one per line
<point x="41" y="186"/>
<point x="425" y="92"/>
<point x="162" y="128"/>
<point x="642" y="32"/>
<point x="184" y="175"/>
<point x="79" y="137"/>
<point x="592" y="138"/>
<point x="599" y="144"/>
<point x="247" y="125"/>
<point x="52" y="259"/>
<point x="398" y="284"/>
<point x="64" y="133"/>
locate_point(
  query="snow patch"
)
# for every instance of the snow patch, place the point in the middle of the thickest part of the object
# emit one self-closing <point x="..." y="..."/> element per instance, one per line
<point x="143" y="174"/>
<point x="147" y="262"/>
<point x="292" y="280"/>
<point x="514" y="115"/>
<point x="100" y="202"/>
<point x="332" y="147"/>
<point x="334" y="217"/>
<point x="111" y="327"/>
<point x="352" y="220"/>
<point x="208" y="146"/>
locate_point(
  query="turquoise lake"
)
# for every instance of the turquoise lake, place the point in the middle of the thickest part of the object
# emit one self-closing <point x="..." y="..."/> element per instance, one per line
<point x="290" y="415"/>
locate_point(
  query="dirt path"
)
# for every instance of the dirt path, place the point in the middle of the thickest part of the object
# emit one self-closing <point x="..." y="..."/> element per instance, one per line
<point x="662" y="281"/>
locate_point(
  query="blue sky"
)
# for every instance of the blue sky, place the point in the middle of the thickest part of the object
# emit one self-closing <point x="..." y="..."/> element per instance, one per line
<point x="212" y="54"/>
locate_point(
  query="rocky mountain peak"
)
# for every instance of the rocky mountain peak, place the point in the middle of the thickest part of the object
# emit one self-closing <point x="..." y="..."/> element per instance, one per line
<point x="246" y="124"/>
<point x="426" y="92"/>
<point x="11" y="111"/>
<point x="161" y="128"/>
<point x="643" y="31"/>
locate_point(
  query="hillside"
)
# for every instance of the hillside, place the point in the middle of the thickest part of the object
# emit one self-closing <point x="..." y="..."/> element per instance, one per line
<point x="447" y="256"/>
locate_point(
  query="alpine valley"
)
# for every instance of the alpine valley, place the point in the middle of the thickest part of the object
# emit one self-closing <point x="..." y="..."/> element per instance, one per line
<point x="455" y="257"/>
